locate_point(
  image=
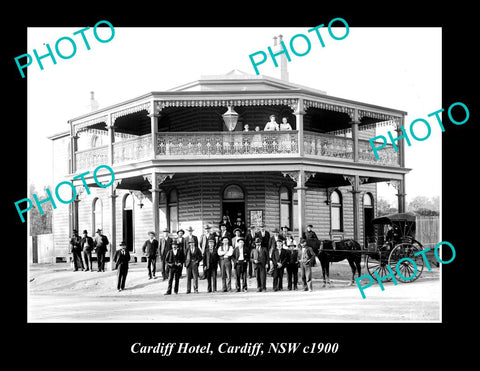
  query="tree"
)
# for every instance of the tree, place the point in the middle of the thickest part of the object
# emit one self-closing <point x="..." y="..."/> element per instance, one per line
<point x="423" y="205"/>
<point x="384" y="207"/>
<point x="40" y="223"/>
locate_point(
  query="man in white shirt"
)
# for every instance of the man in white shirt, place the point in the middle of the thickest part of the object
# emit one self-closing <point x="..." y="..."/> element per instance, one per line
<point x="241" y="256"/>
<point x="225" y="252"/>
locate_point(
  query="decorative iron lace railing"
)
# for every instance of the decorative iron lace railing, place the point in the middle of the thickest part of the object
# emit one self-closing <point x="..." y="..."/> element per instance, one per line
<point x="233" y="143"/>
<point x="91" y="158"/>
<point x="134" y="149"/>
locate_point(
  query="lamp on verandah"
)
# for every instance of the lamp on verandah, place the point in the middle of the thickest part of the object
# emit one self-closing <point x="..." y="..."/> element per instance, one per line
<point x="230" y="118"/>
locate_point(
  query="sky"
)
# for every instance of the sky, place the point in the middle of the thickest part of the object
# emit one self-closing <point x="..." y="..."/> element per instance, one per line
<point x="392" y="67"/>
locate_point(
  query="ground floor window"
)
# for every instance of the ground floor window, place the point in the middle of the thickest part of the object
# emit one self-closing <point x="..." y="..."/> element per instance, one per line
<point x="173" y="210"/>
<point x="336" y="211"/>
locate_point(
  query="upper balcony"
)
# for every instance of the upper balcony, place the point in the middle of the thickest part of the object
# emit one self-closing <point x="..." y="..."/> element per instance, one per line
<point x="234" y="144"/>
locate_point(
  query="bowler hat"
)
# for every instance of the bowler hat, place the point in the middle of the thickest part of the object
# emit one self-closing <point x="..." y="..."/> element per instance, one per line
<point x="211" y="240"/>
<point x="190" y="229"/>
<point x="151" y="233"/>
<point x="75" y="231"/>
<point x="311" y="226"/>
<point x="237" y="229"/>
<point x="85" y="231"/>
<point x="98" y="230"/>
<point x="123" y="243"/>
<point x="285" y="227"/>
<point x="258" y="240"/>
<point x="180" y="230"/>
<point x="174" y="243"/>
<point x="240" y="239"/>
<point x="276" y="230"/>
<point x="225" y="237"/>
<point x="208" y="226"/>
<point x="166" y="230"/>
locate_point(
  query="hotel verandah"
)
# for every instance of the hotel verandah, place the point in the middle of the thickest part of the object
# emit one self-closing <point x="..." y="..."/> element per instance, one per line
<point x="181" y="158"/>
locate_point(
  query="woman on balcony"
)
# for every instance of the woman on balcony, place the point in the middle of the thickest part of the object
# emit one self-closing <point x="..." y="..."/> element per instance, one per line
<point x="271" y="125"/>
<point x="285" y="142"/>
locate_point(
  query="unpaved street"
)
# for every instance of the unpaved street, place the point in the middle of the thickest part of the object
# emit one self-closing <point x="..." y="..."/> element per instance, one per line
<point x="59" y="295"/>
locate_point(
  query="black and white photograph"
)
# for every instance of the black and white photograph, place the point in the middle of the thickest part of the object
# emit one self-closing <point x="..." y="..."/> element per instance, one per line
<point x="238" y="176"/>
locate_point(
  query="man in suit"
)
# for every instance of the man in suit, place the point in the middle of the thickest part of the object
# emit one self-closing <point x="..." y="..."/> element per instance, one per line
<point x="192" y="260"/>
<point x="272" y="243"/>
<point x="240" y="258"/>
<point x="121" y="259"/>
<point x="264" y="236"/>
<point x="87" y="246"/>
<point x="174" y="260"/>
<point x="312" y="239"/>
<point x="279" y="259"/>
<point x="292" y="265"/>
<point x="76" y="249"/>
<point x="164" y="246"/>
<point x="261" y="262"/>
<point x="100" y="242"/>
<point x="224" y="233"/>
<point x="284" y="232"/>
<point x="181" y="245"/>
<point x="237" y="234"/>
<point x="306" y="257"/>
<point x="225" y="252"/>
<point x="240" y="225"/>
<point x="206" y="237"/>
<point x="250" y="243"/>
<point x="190" y="237"/>
<point x="150" y="250"/>
<point x="210" y="262"/>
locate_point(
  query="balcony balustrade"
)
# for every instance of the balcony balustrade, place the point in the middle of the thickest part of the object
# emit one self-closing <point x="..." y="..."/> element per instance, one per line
<point x="234" y="144"/>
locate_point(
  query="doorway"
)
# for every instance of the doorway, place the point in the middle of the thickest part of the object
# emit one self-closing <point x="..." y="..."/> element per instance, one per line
<point x="233" y="202"/>
<point x="127" y="213"/>
<point x="368" y="215"/>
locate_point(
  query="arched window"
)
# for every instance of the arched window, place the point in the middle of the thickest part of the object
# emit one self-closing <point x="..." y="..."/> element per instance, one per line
<point x="285" y="207"/>
<point x="233" y="192"/>
<point x="172" y="207"/>
<point x="97" y="214"/>
<point x="336" y="211"/>
<point x="367" y="200"/>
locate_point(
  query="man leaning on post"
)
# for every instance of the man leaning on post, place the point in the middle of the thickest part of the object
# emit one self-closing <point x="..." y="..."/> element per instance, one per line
<point x="306" y="257"/>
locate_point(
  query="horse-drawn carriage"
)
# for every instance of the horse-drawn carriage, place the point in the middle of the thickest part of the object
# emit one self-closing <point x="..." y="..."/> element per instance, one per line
<point x="394" y="241"/>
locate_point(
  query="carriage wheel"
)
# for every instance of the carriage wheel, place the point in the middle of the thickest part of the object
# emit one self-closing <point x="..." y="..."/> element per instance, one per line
<point x="378" y="263"/>
<point x="405" y="271"/>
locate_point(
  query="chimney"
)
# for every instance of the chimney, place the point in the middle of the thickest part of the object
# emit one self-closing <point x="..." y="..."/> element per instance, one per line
<point x="93" y="102"/>
<point x="283" y="59"/>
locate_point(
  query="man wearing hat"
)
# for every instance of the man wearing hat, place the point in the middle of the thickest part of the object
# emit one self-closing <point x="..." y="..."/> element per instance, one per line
<point x="306" y="257"/>
<point x="165" y="244"/>
<point x="150" y="250"/>
<point x="121" y="259"/>
<point x="264" y="235"/>
<point x="240" y="259"/>
<point x="224" y="233"/>
<point x="190" y="237"/>
<point x="174" y="260"/>
<point x="87" y="246"/>
<point x="250" y="244"/>
<point x="284" y="232"/>
<point x="76" y="250"/>
<point x="193" y="257"/>
<point x="100" y="242"/>
<point x="279" y="260"/>
<point x="210" y="262"/>
<point x="292" y="265"/>
<point x="237" y="234"/>
<point x="182" y="245"/>
<point x="239" y="224"/>
<point x="206" y="236"/>
<point x="272" y="244"/>
<point x="312" y="239"/>
<point x="261" y="262"/>
<point x="225" y="252"/>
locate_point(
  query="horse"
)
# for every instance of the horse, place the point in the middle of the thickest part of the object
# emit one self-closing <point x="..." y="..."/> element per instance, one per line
<point x="344" y="249"/>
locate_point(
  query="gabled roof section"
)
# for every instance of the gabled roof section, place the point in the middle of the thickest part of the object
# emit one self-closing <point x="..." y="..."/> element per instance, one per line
<point x="237" y="80"/>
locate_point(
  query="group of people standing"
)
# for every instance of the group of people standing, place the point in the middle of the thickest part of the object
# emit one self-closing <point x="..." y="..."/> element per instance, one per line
<point x="82" y="248"/>
<point x="233" y="251"/>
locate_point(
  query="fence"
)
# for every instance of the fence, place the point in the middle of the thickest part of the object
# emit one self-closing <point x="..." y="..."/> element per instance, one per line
<point x="428" y="230"/>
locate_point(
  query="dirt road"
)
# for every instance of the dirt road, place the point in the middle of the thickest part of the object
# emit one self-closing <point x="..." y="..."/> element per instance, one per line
<point x="59" y="295"/>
